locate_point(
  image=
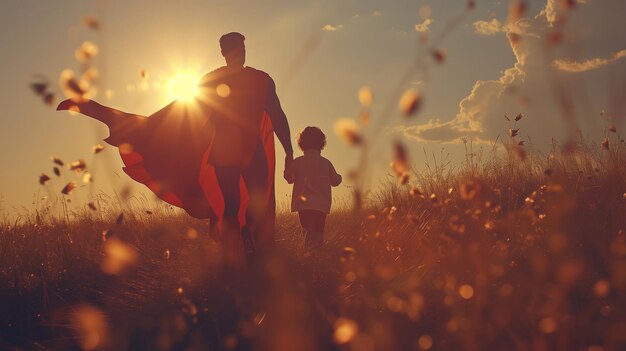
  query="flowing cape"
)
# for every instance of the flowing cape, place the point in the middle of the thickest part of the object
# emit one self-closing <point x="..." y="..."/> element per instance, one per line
<point x="170" y="153"/>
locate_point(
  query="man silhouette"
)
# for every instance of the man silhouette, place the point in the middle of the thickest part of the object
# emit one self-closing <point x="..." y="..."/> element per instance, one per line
<point x="214" y="156"/>
<point x="245" y="109"/>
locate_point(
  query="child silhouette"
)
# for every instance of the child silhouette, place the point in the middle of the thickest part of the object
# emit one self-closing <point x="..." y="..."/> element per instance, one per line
<point x="312" y="177"/>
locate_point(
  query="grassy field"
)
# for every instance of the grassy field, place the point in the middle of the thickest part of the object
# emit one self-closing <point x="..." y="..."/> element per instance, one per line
<point x="501" y="254"/>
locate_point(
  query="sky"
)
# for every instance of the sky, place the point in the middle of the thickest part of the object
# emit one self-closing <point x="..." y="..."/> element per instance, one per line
<point x="320" y="53"/>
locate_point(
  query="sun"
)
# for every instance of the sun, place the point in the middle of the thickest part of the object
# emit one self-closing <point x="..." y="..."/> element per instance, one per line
<point x="182" y="86"/>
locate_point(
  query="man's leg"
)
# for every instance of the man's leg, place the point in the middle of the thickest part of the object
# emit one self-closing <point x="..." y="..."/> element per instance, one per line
<point x="261" y="212"/>
<point x="228" y="179"/>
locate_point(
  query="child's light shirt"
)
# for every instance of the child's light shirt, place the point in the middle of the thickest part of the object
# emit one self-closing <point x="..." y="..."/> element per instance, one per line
<point x="312" y="177"/>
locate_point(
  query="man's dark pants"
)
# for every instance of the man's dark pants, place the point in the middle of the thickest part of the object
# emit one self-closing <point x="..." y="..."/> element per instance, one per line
<point x="261" y="210"/>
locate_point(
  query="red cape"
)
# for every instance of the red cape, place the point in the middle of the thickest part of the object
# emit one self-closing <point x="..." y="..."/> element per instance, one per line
<point x="169" y="152"/>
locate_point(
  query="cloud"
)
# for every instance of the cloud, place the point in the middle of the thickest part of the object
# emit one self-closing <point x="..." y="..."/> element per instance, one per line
<point x="529" y="86"/>
<point x="332" y="28"/>
<point x="423" y="27"/>
<point x="587" y="65"/>
<point x="377" y="13"/>
<point x="436" y="130"/>
<point x="474" y="112"/>
<point x="488" y="28"/>
<point x="494" y="27"/>
<point x="550" y="12"/>
<point x="479" y="108"/>
<point x="553" y="10"/>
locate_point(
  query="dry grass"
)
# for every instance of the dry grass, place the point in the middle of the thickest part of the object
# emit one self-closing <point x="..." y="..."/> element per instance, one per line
<point x="522" y="251"/>
<point x="499" y="254"/>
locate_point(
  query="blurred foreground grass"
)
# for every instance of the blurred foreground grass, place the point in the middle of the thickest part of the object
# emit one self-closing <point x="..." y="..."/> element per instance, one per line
<point x="502" y="254"/>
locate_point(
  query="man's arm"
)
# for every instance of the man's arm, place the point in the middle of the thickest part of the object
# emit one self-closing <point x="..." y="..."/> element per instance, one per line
<point x="279" y="120"/>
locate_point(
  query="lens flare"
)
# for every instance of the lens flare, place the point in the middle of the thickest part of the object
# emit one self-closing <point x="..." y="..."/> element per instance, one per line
<point x="182" y="86"/>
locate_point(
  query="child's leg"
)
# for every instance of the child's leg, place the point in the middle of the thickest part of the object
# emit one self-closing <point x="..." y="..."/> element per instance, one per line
<point x="320" y="223"/>
<point x="312" y="222"/>
<point x="304" y="222"/>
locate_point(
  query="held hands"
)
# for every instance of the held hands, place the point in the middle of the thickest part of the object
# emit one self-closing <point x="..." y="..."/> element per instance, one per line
<point x="288" y="160"/>
<point x="287" y="172"/>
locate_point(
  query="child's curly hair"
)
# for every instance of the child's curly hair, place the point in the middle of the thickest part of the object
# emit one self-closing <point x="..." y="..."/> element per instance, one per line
<point x="311" y="138"/>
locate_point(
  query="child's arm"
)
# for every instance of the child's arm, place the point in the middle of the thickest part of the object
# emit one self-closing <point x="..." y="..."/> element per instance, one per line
<point x="335" y="178"/>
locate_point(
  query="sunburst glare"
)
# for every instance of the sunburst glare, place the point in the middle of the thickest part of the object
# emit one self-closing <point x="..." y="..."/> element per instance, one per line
<point x="182" y="86"/>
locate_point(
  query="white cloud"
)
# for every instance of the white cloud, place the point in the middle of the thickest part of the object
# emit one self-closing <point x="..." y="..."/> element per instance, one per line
<point x="494" y="27"/>
<point x="488" y="28"/>
<point x="424" y="26"/>
<point x="528" y="86"/>
<point x="550" y="11"/>
<point x="332" y="28"/>
<point x="555" y="9"/>
<point x="587" y="65"/>
<point x="480" y="112"/>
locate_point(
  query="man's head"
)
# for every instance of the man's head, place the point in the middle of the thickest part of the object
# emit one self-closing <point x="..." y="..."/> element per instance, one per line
<point x="233" y="48"/>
